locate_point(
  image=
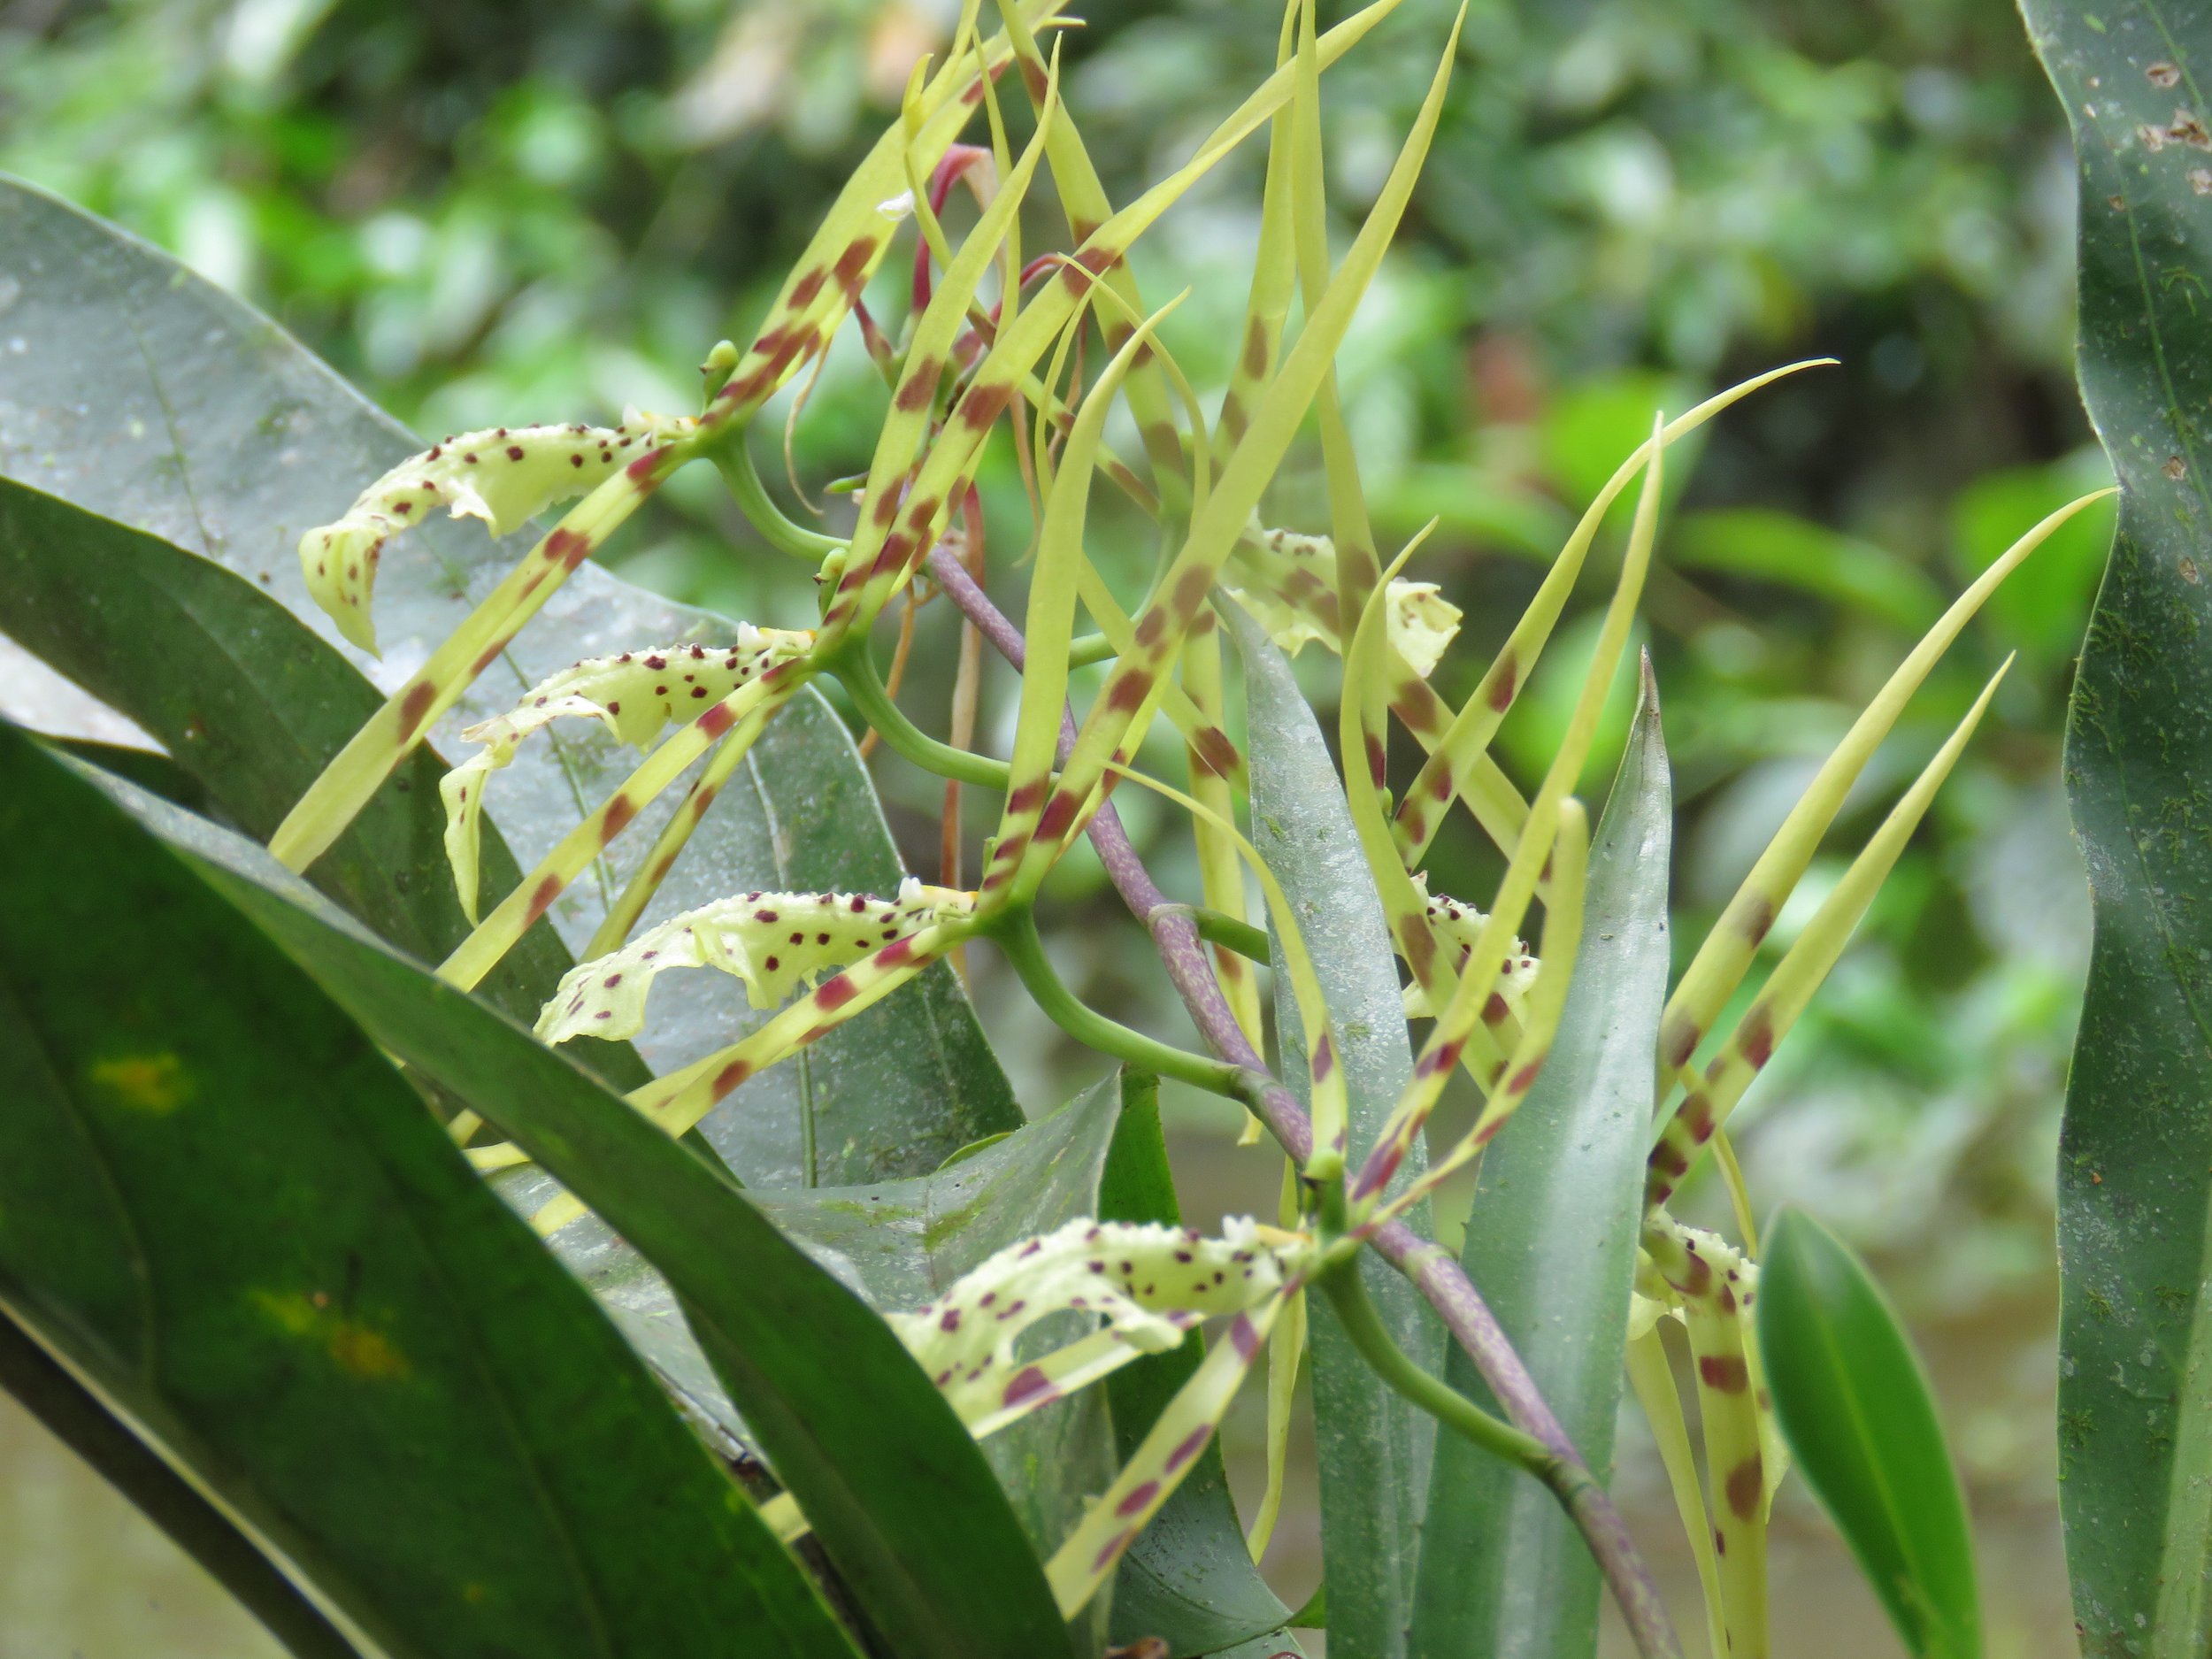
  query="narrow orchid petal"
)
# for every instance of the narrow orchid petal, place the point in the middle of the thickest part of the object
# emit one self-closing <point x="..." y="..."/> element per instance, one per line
<point x="1285" y="1347"/>
<point x="1651" y="1373"/>
<point x="1718" y="1287"/>
<point x="1680" y="1137"/>
<point x="1213" y="532"/>
<point x="1160" y="1462"/>
<point x="1274" y="270"/>
<point x="633" y="695"/>
<point x="376" y="751"/>
<point x="1721" y="960"/>
<point x="774" y="942"/>
<point x="1408" y="911"/>
<point x="504" y="477"/>
<point x="1453" y="759"/>
<point x="1050" y="618"/>
<point x="737" y="719"/>
<point x="1562" y="942"/>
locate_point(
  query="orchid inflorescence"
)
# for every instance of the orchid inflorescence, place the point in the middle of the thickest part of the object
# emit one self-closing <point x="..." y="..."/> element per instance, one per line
<point x="993" y="338"/>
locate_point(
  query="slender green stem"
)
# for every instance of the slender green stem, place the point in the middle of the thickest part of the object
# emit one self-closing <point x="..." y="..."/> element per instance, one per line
<point x="1216" y="928"/>
<point x="1347" y="1295"/>
<point x="1090" y="647"/>
<point x="734" y="462"/>
<point x="855" y="671"/>
<point x="1015" y="932"/>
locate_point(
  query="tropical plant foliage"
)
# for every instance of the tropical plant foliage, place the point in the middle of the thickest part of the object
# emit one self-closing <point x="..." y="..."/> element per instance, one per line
<point x="364" y="1153"/>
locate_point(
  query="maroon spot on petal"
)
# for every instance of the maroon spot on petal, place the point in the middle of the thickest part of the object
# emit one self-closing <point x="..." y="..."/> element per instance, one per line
<point x="852" y="265"/>
<point x="1670" y="1159"/>
<point x="541" y="901"/>
<point x="897" y="951"/>
<point x="1758" y="915"/>
<point x="1127" y="691"/>
<point x="1678" y="1041"/>
<point x="618" y="812"/>
<point x="886" y="507"/>
<point x="1720" y="1542"/>
<point x="1188" y="1447"/>
<point x="1058" y="814"/>
<point x="1028" y="1382"/>
<point x="716" y="720"/>
<point x="414" y="708"/>
<point x="1502" y="687"/>
<point x="981" y="405"/>
<point x="565" y="547"/>
<point x="514" y="453"/>
<point x="1191" y="588"/>
<point x="1726" y="1372"/>
<point x="1744" y="1483"/>
<point x="1216" y="750"/>
<point x="1525" y="1075"/>
<point x="950" y="1320"/>
<point x="1324" y="1058"/>
<point x="730" y="1076"/>
<point x="1255" y="349"/>
<point x="1756" y="1037"/>
<point x="646" y="465"/>
<point x="489" y="655"/>
<point x="1696" y="1115"/>
<point x="806" y="287"/>
<point x="835" y="993"/>
<point x="1244" y="1336"/>
<point x="1139" y="1498"/>
<point x="1113" y="1547"/>
<point x="919" y="386"/>
<point x="1151" y="627"/>
<point x="1494" y="1010"/>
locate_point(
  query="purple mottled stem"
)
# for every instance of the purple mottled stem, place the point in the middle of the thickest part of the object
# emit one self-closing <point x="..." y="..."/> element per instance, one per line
<point x="1438" y="1277"/>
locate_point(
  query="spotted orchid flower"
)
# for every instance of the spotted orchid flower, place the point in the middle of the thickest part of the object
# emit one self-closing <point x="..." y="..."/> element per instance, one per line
<point x="504" y="476"/>
<point x="772" y="942"/>
<point x="1457" y="927"/>
<point x="1147" y="1284"/>
<point x="633" y="695"/>
<point x="1288" y="582"/>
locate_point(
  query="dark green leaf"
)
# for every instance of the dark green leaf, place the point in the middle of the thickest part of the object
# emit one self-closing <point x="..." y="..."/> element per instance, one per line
<point x="1189" y="1578"/>
<point x="220" y="1201"/>
<point x="74" y="1415"/>
<point x="1552" y="1243"/>
<point x="2135" y="1154"/>
<point x="875" y="1455"/>
<point x="1374" y="1447"/>
<point x="252" y="705"/>
<point x="1855" y="1406"/>
<point x="206" y="424"/>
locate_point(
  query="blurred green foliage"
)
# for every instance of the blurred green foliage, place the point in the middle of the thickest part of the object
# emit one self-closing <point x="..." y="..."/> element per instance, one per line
<point x="488" y="212"/>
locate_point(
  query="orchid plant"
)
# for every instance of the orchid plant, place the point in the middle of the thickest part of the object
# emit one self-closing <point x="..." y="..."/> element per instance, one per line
<point x="994" y="339"/>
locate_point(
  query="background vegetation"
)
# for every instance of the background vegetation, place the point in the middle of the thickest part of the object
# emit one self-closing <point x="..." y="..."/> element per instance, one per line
<point x="485" y="213"/>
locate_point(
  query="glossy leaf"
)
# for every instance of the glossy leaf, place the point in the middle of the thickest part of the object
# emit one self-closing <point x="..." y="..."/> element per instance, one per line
<point x="875" y="1457"/>
<point x="1188" y="1579"/>
<point x="1552" y="1243"/>
<point x="272" y="1258"/>
<point x="250" y="704"/>
<point x="1853" y="1403"/>
<point x="74" y="1415"/>
<point x="212" y="428"/>
<point x="2135" y="1153"/>
<point x="1374" y="1447"/>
